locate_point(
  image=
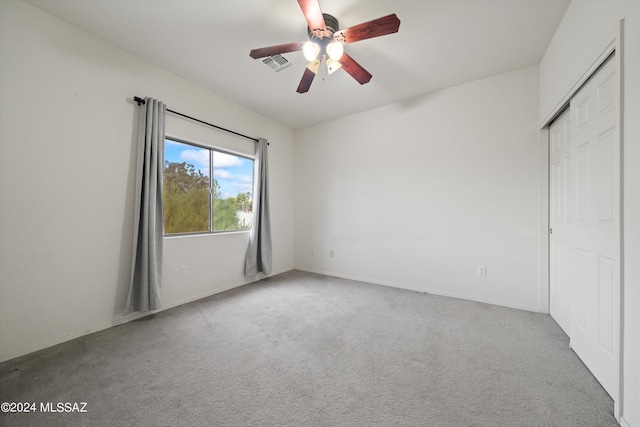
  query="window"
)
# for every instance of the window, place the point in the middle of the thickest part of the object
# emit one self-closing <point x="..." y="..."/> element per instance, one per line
<point x="205" y="190"/>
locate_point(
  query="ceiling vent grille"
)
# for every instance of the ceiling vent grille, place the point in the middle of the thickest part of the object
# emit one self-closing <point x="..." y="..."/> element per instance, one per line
<point x="277" y="62"/>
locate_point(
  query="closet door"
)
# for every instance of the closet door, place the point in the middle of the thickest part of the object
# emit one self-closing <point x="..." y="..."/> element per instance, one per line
<point x="562" y="289"/>
<point x="585" y="225"/>
<point x="595" y="329"/>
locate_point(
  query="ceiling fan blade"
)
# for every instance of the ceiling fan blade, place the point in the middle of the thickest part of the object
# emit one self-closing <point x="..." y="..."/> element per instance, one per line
<point x="309" y="73"/>
<point x="305" y="83"/>
<point x="378" y="27"/>
<point x="273" y="50"/>
<point x="313" y="15"/>
<point x="356" y="70"/>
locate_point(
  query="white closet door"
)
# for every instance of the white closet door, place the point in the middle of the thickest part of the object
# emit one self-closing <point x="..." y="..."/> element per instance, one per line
<point x="560" y="250"/>
<point x="595" y="330"/>
<point x="585" y="226"/>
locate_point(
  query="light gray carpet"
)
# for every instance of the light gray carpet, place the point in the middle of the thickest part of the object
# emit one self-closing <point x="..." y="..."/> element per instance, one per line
<point x="302" y="349"/>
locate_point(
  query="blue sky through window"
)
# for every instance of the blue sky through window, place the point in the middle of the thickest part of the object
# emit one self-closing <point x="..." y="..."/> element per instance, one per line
<point x="233" y="173"/>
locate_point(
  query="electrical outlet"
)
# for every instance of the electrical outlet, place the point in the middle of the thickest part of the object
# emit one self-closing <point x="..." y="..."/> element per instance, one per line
<point x="331" y="253"/>
<point x="313" y="251"/>
<point x="482" y="270"/>
<point x="183" y="271"/>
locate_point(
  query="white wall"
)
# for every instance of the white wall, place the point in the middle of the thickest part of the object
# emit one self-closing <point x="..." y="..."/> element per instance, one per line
<point x="67" y="162"/>
<point x="417" y="194"/>
<point x="582" y="33"/>
<point x="404" y="195"/>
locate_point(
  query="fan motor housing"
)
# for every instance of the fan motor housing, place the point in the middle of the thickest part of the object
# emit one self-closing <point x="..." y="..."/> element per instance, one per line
<point x="332" y="26"/>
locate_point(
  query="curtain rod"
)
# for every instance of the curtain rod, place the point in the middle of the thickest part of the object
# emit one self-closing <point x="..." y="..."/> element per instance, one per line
<point x="141" y="101"/>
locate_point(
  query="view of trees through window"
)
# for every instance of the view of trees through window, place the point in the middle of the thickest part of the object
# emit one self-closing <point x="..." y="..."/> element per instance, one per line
<point x="205" y="190"/>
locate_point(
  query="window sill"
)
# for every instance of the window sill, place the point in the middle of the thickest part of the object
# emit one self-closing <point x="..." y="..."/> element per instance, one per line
<point x="216" y="233"/>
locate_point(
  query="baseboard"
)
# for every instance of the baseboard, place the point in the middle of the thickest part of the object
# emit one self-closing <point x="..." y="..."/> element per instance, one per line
<point x="52" y="342"/>
<point x="136" y="316"/>
<point x="409" y="288"/>
<point x="129" y="318"/>
<point x="624" y="423"/>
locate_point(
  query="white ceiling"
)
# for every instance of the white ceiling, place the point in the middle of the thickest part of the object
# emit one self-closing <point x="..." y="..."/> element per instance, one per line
<point x="441" y="43"/>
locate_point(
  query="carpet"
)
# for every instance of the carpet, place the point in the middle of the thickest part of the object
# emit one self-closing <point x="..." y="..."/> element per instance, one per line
<point x="302" y="349"/>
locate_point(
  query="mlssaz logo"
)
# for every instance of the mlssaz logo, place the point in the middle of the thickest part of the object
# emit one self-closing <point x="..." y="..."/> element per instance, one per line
<point x="63" y="407"/>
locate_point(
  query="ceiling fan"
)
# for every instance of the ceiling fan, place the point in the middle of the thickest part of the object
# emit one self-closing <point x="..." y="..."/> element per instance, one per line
<point x="326" y="39"/>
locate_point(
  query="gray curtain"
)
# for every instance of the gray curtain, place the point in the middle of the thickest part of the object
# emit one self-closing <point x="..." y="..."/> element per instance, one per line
<point x="258" y="258"/>
<point x="144" y="291"/>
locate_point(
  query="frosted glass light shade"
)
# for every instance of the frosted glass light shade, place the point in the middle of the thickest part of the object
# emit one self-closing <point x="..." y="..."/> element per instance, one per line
<point x="335" y="50"/>
<point x="310" y="51"/>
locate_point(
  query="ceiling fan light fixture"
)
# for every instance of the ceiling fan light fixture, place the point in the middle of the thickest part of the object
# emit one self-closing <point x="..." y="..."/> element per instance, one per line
<point x="314" y="66"/>
<point x="326" y="43"/>
<point x="310" y="51"/>
<point x="335" y="50"/>
<point x="333" y="66"/>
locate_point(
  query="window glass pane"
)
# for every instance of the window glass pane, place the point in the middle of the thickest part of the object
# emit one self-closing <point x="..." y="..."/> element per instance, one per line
<point x="232" y="195"/>
<point x="186" y="188"/>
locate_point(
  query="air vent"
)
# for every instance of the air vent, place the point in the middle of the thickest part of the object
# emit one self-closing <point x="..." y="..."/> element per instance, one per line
<point x="277" y="62"/>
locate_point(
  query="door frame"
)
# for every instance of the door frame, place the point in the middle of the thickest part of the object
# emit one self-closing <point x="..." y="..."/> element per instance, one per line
<point x="613" y="43"/>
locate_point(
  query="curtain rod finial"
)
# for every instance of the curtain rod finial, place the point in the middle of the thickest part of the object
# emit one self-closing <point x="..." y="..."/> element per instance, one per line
<point x="138" y="100"/>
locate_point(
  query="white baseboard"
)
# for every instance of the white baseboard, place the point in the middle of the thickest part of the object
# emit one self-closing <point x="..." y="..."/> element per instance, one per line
<point x="427" y="290"/>
<point x="624" y="423"/>
<point x="53" y="341"/>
